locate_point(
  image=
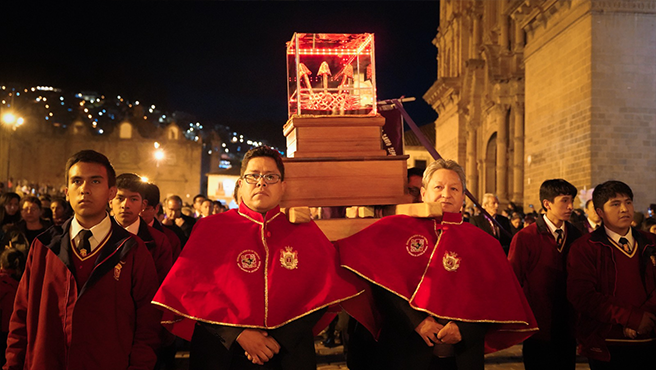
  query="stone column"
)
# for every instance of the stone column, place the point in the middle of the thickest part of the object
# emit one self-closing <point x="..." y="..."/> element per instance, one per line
<point x="471" y="168"/>
<point x="502" y="151"/>
<point x="504" y="41"/>
<point x="518" y="169"/>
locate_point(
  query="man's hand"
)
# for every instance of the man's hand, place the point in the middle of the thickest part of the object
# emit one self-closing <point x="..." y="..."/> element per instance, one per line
<point x="179" y="221"/>
<point x="259" y="347"/>
<point x="428" y="330"/>
<point x="630" y="333"/>
<point x="167" y="221"/>
<point x="450" y="334"/>
<point x="647" y="323"/>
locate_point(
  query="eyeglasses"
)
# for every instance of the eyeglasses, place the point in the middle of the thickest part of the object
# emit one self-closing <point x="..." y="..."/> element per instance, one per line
<point x="253" y="178"/>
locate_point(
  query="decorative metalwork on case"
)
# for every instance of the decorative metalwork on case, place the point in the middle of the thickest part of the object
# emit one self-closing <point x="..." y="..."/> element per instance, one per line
<point x="331" y="74"/>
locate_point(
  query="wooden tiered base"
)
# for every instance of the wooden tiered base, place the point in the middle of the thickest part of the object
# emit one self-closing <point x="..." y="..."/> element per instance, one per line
<point x="339" y="161"/>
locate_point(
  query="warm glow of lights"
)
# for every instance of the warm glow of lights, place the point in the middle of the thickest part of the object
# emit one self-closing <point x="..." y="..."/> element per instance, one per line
<point x="156" y="145"/>
<point x="144" y="179"/>
<point x="9" y="118"/>
<point x="159" y="154"/>
<point x="20" y="121"/>
<point x="329" y="52"/>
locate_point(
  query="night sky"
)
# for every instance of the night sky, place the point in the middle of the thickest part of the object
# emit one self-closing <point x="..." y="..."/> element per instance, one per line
<point x="223" y="62"/>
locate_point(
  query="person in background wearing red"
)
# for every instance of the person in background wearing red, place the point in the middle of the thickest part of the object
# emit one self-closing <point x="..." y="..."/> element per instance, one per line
<point x="12" y="264"/>
<point x="84" y="299"/>
<point x="611" y="283"/>
<point x="538" y="255"/>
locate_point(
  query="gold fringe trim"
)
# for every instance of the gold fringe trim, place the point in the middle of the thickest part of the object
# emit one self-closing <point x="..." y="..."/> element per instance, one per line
<point x="252" y="326"/>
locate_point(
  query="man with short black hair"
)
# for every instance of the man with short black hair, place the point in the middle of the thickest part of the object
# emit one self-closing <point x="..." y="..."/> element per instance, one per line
<point x="612" y="283"/>
<point x="538" y="254"/>
<point x="149" y="213"/>
<point x="197" y="203"/>
<point x="126" y="205"/>
<point x="84" y="299"/>
<point x="592" y="222"/>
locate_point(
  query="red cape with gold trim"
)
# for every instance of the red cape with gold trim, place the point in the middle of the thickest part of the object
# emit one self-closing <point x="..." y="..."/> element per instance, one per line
<point x="239" y="268"/>
<point x="459" y="274"/>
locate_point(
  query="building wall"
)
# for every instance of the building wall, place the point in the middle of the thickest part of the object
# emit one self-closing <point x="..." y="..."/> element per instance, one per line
<point x="559" y="89"/>
<point x="43" y="158"/>
<point x="623" y="140"/>
<point x="558" y="102"/>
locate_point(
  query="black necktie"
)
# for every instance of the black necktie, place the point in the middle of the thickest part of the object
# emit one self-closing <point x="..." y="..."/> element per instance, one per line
<point x="559" y="238"/>
<point x="85" y="246"/>
<point x="624" y="242"/>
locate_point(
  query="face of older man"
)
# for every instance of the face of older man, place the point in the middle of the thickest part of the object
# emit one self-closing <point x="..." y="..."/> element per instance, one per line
<point x="491" y="205"/>
<point x="445" y="188"/>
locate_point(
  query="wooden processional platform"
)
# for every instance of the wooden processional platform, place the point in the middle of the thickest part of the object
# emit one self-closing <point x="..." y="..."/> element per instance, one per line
<point x="338" y="161"/>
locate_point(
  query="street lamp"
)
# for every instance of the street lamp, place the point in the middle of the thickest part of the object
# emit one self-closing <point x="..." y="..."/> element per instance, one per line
<point x="12" y="121"/>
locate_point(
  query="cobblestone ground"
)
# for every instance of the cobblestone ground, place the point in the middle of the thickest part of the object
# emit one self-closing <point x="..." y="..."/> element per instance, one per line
<point x="508" y="359"/>
<point x="333" y="359"/>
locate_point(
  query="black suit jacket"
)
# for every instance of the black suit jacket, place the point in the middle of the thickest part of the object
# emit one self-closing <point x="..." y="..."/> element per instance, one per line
<point x="482" y="223"/>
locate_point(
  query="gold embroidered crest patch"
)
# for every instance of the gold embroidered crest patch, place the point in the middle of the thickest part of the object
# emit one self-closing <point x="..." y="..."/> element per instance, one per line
<point x="117" y="270"/>
<point x="249" y="261"/>
<point x="289" y="258"/>
<point x="451" y="261"/>
<point x="417" y="245"/>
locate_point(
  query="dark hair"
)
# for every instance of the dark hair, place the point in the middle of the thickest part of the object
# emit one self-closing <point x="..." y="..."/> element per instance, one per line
<point x="175" y="198"/>
<point x="5" y="198"/>
<point x="131" y="182"/>
<point x="198" y="196"/>
<point x="91" y="156"/>
<point x="12" y="258"/>
<point x="607" y="190"/>
<point x="550" y="189"/>
<point x="263" y="151"/>
<point x="151" y="194"/>
<point x="45" y="197"/>
<point x="415" y="171"/>
<point x="68" y="211"/>
<point x="649" y="222"/>
<point x="31" y="199"/>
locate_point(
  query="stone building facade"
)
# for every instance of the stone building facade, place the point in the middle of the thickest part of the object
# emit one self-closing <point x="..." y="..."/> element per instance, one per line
<point x="39" y="155"/>
<point x="539" y="89"/>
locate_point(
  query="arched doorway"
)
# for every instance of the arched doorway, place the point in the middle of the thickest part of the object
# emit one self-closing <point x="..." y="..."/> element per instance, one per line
<point x="491" y="165"/>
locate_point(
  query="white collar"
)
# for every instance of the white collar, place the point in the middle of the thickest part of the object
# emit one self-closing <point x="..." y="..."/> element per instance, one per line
<point x="134" y="227"/>
<point x="616" y="237"/>
<point x="99" y="230"/>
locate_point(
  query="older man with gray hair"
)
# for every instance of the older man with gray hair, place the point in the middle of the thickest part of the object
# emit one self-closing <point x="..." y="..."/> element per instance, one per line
<point x="491" y="205"/>
<point x="445" y="289"/>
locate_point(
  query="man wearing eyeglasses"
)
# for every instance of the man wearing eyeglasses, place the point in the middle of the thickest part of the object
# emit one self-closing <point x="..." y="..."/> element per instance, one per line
<point x="254" y="283"/>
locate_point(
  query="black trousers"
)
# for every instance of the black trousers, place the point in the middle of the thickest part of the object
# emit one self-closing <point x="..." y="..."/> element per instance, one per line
<point x="548" y="355"/>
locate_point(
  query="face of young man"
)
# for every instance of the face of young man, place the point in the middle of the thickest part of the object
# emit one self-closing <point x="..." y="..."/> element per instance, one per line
<point x="12" y="207"/>
<point x="260" y="196"/>
<point x="198" y="203"/>
<point x="592" y="213"/>
<point x="205" y="208"/>
<point x="88" y="192"/>
<point x="560" y="209"/>
<point x="445" y="188"/>
<point x="617" y="213"/>
<point x="30" y="212"/>
<point x="126" y="206"/>
<point x="148" y="213"/>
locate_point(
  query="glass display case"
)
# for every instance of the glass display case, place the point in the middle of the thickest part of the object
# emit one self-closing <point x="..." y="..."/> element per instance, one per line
<point x="331" y="74"/>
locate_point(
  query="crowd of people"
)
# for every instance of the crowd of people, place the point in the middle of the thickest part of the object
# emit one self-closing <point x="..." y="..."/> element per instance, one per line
<point x="110" y="278"/>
